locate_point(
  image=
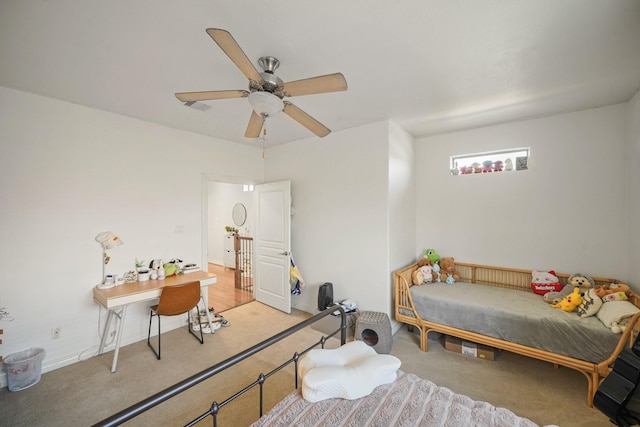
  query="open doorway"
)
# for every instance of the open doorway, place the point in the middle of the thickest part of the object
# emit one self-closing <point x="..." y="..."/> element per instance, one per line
<point x="221" y="199"/>
<point x="224" y="295"/>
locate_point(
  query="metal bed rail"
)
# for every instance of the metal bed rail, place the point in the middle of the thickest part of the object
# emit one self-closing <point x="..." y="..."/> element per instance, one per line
<point x="166" y="394"/>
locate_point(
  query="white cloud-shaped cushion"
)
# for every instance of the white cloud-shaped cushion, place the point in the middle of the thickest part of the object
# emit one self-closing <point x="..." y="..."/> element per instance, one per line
<point x="348" y="372"/>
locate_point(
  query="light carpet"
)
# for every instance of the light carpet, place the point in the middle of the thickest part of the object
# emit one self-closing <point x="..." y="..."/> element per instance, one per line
<point x="86" y="392"/>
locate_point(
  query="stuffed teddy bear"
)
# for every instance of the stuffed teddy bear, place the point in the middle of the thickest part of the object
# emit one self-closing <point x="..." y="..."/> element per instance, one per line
<point x="447" y="268"/>
<point x="545" y="282"/>
<point x="424" y="272"/>
<point x="583" y="281"/>
<point x="604" y="290"/>
<point x="570" y="302"/>
<point x="578" y="280"/>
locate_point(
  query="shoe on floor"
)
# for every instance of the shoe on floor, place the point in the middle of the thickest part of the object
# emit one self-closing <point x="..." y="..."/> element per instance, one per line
<point x="206" y="329"/>
<point x="221" y="320"/>
<point x="210" y="329"/>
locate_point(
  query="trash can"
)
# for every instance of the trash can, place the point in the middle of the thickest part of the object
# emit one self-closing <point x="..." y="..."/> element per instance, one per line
<point x="24" y="368"/>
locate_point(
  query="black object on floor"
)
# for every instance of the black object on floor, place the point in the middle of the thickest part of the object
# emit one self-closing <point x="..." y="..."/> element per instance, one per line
<point x="619" y="387"/>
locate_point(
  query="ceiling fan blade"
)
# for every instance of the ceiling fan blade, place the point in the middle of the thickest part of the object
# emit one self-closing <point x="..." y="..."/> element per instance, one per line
<point x="321" y="84"/>
<point x="255" y="126"/>
<point x="233" y="50"/>
<point x="305" y="120"/>
<point x="210" y="95"/>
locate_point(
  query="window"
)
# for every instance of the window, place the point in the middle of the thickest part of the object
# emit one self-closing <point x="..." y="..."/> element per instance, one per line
<point x="493" y="161"/>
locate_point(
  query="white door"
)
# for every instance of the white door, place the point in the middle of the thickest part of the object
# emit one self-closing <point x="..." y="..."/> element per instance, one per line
<point x="272" y="244"/>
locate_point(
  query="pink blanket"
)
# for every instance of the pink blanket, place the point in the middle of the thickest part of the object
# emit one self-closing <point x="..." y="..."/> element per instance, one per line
<point x="408" y="401"/>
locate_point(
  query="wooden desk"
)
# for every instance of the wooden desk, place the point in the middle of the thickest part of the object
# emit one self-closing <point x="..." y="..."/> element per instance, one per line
<point x="130" y="293"/>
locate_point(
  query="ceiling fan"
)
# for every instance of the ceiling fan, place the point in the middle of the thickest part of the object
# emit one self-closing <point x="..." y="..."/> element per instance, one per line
<point x="266" y="90"/>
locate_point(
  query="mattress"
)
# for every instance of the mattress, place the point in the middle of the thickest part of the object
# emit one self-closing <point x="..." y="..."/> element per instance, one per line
<point x="514" y="316"/>
<point x="408" y="401"/>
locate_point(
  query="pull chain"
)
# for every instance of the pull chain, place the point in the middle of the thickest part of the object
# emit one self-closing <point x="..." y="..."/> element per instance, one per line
<point x="264" y="136"/>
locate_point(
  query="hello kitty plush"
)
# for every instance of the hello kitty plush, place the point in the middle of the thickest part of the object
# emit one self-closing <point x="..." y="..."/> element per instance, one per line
<point x="543" y="282"/>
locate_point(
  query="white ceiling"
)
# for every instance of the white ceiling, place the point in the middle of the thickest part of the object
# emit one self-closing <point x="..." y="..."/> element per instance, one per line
<point x="432" y="66"/>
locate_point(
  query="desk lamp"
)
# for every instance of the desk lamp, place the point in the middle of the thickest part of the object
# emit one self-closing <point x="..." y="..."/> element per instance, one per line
<point x="108" y="240"/>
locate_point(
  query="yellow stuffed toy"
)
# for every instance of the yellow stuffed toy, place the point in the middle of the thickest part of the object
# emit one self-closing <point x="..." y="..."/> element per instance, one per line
<point x="570" y="302"/>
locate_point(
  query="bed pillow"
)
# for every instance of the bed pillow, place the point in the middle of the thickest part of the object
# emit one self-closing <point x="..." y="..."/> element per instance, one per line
<point x="590" y="305"/>
<point x="543" y="282"/>
<point x="348" y="372"/>
<point x="614" y="313"/>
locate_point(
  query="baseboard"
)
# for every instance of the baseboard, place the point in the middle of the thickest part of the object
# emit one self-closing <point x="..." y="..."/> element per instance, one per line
<point x="395" y="326"/>
<point x="304" y="307"/>
<point x="49" y="365"/>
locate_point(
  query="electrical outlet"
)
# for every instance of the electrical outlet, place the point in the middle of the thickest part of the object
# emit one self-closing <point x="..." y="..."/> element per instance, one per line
<point x="55" y="333"/>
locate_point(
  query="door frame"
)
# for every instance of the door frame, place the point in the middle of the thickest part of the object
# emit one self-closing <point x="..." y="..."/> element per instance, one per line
<point x="206" y="178"/>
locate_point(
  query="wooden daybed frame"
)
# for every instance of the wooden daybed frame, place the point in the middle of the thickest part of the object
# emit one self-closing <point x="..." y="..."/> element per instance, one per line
<point x="512" y="279"/>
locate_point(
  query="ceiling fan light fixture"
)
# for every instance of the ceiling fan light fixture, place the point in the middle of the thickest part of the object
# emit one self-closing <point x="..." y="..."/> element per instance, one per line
<point x="266" y="90"/>
<point x="265" y="103"/>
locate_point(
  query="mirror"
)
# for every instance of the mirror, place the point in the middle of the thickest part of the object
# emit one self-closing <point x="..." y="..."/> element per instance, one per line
<point x="239" y="214"/>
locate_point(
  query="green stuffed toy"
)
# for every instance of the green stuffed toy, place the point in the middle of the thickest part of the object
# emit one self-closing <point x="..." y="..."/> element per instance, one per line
<point x="170" y="269"/>
<point x="432" y="255"/>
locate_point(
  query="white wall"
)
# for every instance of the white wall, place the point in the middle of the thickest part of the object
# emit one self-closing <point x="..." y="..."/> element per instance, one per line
<point x="367" y="201"/>
<point x="222" y="198"/>
<point x="633" y="194"/>
<point x="401" y="202"/>
<point x="568" y="212"/>
<point x="339" y="187"/>
<point x="70" y="172"/>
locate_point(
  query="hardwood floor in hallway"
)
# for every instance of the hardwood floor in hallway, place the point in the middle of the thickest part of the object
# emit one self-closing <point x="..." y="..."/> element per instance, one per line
<point x="223" y="295"/>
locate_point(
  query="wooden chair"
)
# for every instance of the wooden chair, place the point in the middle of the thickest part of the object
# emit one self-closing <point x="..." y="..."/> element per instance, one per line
<point x="174" y="301"/>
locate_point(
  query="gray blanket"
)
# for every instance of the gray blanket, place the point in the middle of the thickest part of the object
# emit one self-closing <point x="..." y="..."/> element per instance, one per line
<point x="408" y="401"/>
<point x="514" y="316"/>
